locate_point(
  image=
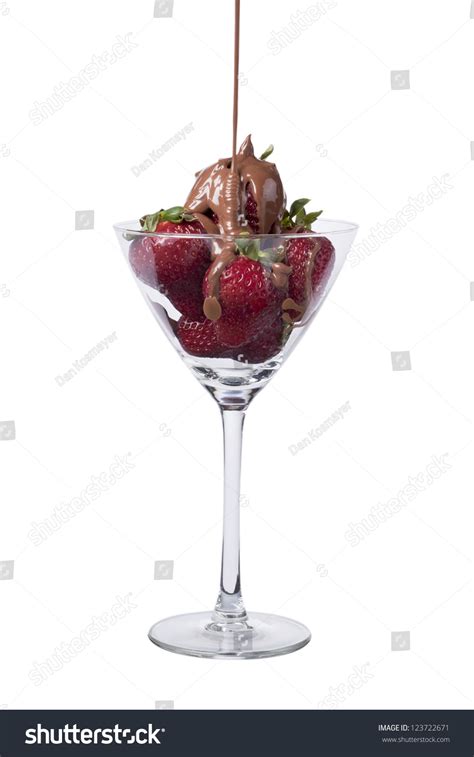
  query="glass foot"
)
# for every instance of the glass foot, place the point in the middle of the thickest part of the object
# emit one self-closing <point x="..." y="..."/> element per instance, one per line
<point x="261" y="635"/>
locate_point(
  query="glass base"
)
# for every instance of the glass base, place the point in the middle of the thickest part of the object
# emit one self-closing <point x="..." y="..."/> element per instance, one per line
<point x="261" y="635"/>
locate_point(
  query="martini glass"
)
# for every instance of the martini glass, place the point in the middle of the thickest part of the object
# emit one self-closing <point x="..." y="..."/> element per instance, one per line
<point x="229" y="631"/>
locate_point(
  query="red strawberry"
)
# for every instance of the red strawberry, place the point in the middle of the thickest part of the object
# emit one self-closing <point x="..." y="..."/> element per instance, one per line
<point x="308" y="257"/>
<point x="264" y="346"/>
<point x="187" y="300"/>
<point x="174" y="266"/>
<point x="214" y="217"/>
<point x="198" y="337"/>
<point x="141" y="256"/>
<point x="251" y="212"/>
<point x="304" y="258"/>
<point x="249" y="300"/>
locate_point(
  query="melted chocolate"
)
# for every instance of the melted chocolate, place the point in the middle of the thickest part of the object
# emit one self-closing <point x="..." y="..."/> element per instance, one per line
<point x="212" y="308"/>
<point x="290" y="304"/>
<point x="280" y="273"/>
<point x="222" y="190"/>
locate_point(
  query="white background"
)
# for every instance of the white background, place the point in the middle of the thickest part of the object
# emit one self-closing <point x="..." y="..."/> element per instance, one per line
<point x="360" y="150"/>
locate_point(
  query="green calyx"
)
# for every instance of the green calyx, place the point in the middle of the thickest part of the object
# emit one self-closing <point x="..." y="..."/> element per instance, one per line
<point x="251" y="248"/>
<point x="266" y="154"/>
<point x="297" y="215"/>
<point x="248" y="247"/>
<point x="178" y="214"/>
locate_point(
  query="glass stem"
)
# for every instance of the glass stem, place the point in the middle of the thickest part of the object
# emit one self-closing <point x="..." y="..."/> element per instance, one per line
<point x="229" y="613"/>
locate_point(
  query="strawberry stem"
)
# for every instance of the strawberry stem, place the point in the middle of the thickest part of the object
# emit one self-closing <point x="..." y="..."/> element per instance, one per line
<point x="267" y="152"/>
<point x="177" y="214"/>
<point x="251" y="248"/>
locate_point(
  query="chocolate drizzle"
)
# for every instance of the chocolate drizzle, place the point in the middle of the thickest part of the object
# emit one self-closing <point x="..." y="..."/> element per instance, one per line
<point x="280" y="273"/>
<point x="221" y="190"/>
<point x="212" y="308"/>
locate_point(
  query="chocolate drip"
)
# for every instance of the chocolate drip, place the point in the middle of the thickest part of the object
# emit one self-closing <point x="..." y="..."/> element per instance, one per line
<point x="207" y="223"/>
<point x="280" y="273"/>
<point x="212" y="308"/>
<point x="290" y="304"/>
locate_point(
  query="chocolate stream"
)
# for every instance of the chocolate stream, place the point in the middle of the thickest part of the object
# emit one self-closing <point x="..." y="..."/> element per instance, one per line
<point x="221" y="189"/>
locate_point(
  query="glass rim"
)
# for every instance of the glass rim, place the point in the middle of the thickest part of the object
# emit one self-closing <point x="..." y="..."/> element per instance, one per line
<point x="340" y="227"/>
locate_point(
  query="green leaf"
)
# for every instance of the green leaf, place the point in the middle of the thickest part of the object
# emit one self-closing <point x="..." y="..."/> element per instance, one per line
<point x="297" y="205"/>
<point x="247" y="246"/>
<point x="267" y="152"/>
<point x="311" y="217"/>
<point x="272" y="255"/>
<point x="253" y="250"/>
<point x="297" y="215"/>
<point x="243" y="242"/>
<point x="150" y="222"/>
<point x="300" y="217"/>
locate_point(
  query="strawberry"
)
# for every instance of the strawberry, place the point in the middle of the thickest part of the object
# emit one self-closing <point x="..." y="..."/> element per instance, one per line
<point x="299" y="253"/>
<point x="198" y="337"/>
<point x="175" y="267"/>
<point x="141" y="256"/>
<point x="214" y="217"/>
<point x="251" y="213"/>
<point x="188" y="300"/>
<point x="306" y="256"/>
<point x="264" y="346"/>
<point x="249" y="300"/>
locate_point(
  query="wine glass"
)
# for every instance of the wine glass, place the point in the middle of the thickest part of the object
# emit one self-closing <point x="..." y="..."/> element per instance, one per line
<point x="234" y="375"/>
